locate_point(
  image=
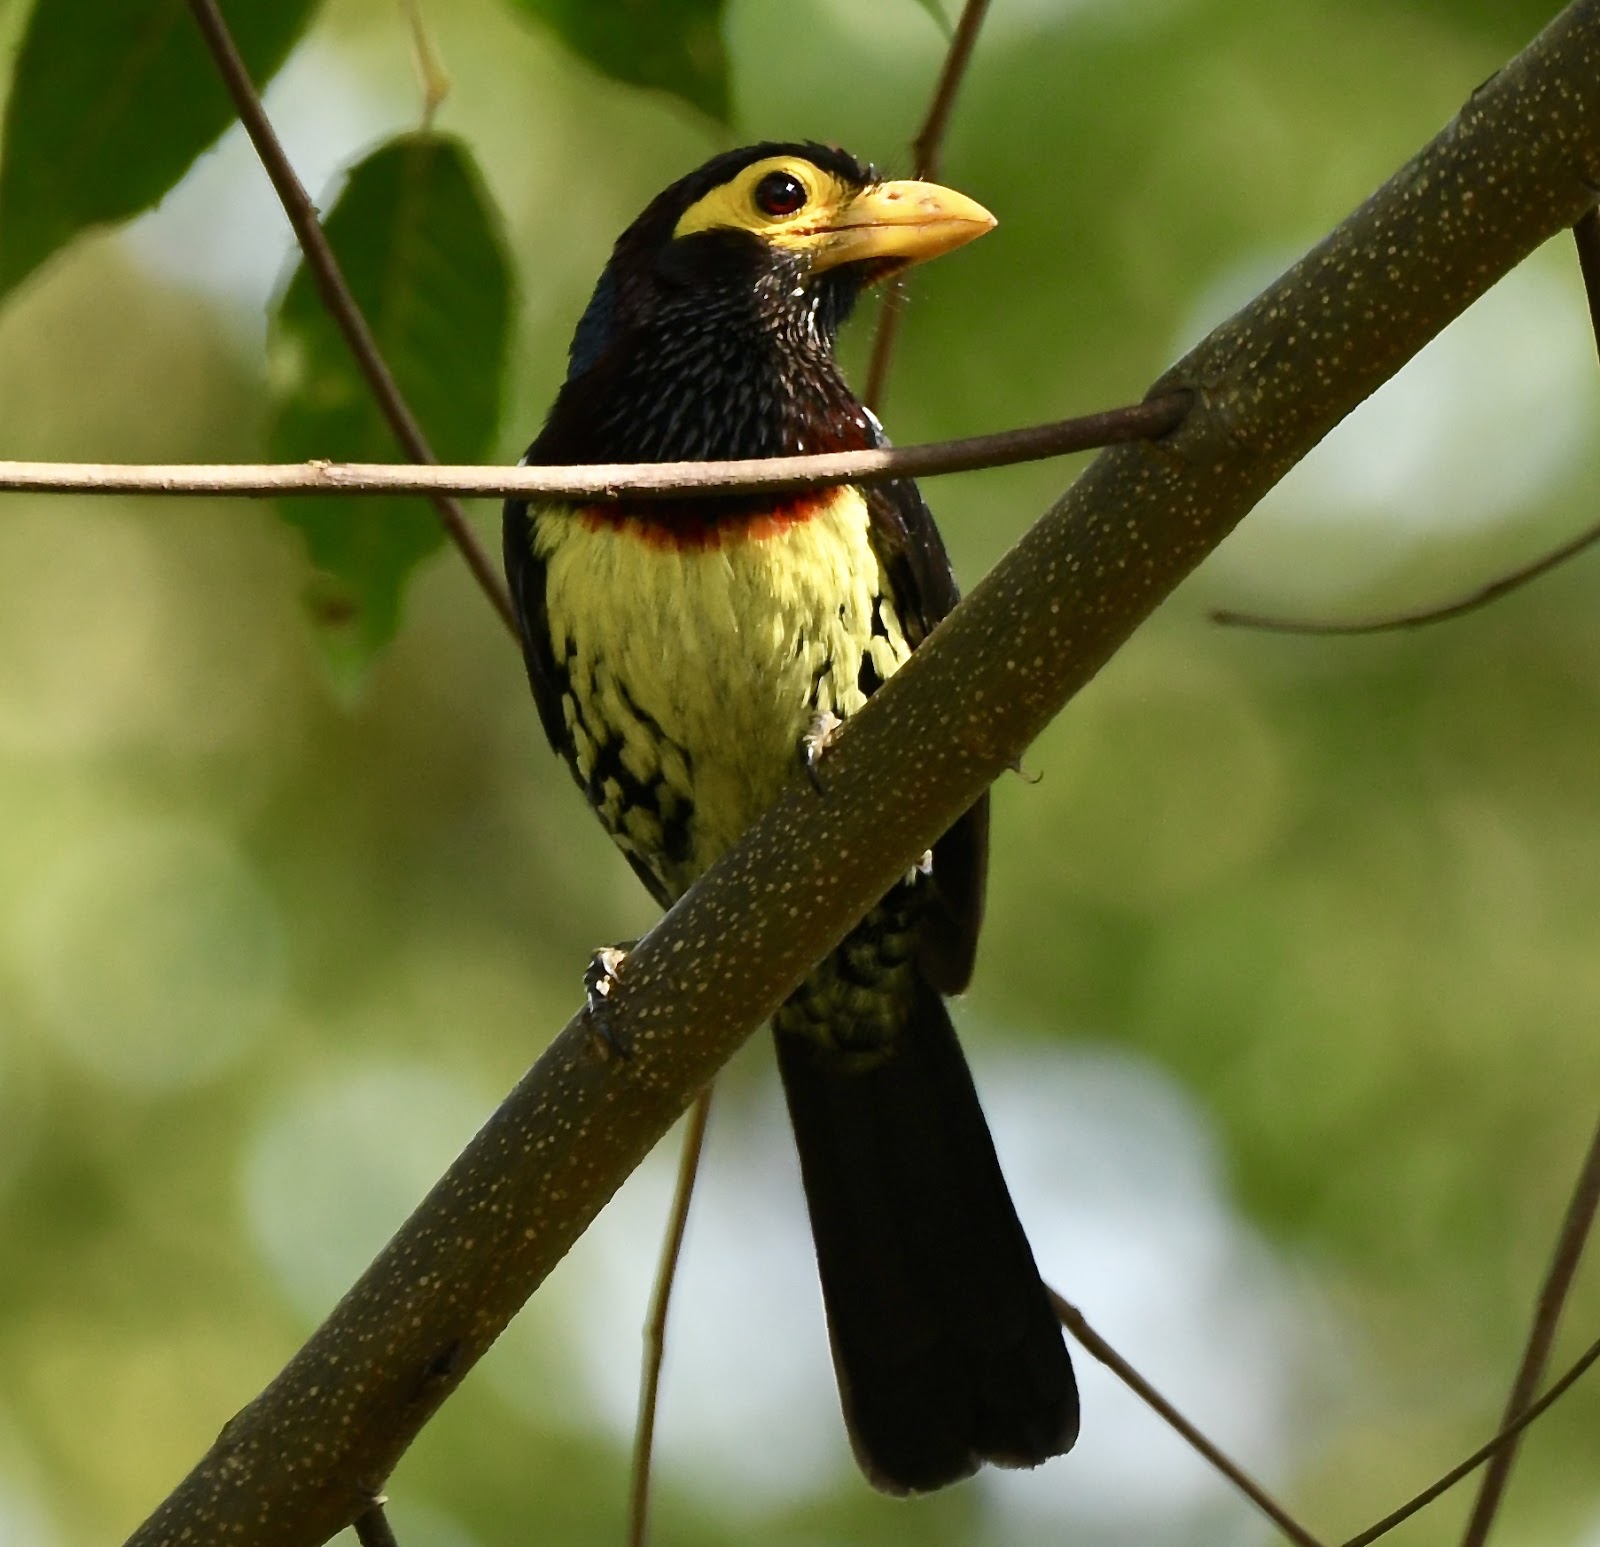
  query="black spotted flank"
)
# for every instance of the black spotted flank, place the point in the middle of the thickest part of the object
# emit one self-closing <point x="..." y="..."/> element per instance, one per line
<point x="607" y="769"/>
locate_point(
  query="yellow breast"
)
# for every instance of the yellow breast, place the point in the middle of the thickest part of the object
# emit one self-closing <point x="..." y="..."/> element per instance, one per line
<point x="698" y="668"/>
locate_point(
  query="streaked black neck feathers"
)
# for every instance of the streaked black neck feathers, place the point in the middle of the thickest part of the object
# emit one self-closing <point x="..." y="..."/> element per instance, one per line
<point x="710" y="346"/>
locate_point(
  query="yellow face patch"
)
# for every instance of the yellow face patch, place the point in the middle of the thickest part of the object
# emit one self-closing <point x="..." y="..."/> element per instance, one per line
<point x="783" y="199"/>
<point x="792" y="203"/>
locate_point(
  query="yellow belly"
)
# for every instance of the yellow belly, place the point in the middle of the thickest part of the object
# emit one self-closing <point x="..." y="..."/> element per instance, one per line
<point x="700" y="668"/>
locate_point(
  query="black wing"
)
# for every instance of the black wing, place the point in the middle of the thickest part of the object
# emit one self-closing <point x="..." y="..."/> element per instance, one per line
<point x="525" y="575"/>
<point x="924" y="587"/>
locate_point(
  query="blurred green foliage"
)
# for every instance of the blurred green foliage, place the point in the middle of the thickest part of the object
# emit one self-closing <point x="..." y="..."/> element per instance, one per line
<point x="1343" y="896"/>
<point x="109" y="105"/>
<point x="675" y="45"/>
<point x="420" y="247"/>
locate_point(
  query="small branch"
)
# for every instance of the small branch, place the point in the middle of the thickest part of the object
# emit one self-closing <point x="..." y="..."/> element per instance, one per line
<point x="1073" y="1320"/>
<point x="926" y="147"/>
<point x="1393" y="622"/>
<point x="623" y="481"/>
<point x="655" y="1327"/>
<point x="1586" y="234"/>
<point x="1575" y="1229"/>
<point x="372" y="1528"/>
<point x="1499" y="1451"/>
<point x="1481" y="1454"/>
<point x="335" y="293"/>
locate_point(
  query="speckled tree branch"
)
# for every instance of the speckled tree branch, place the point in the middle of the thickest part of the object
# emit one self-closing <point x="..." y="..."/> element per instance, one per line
<point x="1519" y="164"/>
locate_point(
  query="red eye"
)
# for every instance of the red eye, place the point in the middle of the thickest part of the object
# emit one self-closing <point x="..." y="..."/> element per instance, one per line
<point x="780" y="193"/>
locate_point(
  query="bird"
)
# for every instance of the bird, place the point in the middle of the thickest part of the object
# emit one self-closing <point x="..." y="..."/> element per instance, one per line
<point x="683" y="651"/>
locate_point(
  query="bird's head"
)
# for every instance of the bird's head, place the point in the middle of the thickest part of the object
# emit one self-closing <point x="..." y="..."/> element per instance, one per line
<point x="711" y="331"/>
<point x="774" y="238"/>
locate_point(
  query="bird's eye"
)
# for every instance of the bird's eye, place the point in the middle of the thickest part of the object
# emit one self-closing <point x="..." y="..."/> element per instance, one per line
<point x="780" y="193"/>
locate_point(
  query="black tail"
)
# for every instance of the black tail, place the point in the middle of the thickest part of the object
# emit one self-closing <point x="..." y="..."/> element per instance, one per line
<point x="947" y="1351"/>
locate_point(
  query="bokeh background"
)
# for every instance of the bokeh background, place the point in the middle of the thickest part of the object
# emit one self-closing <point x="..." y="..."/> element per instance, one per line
<point x="1287" y="1011"/>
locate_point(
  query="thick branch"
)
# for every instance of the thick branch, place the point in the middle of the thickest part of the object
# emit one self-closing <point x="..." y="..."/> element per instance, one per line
<point x="1515" y="167"/>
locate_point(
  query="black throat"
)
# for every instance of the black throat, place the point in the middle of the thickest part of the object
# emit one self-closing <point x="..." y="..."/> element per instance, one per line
<point x="732" y="360"/>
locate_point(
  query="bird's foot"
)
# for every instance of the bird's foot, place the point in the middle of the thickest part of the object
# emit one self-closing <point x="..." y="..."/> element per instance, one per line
<point x="600" y="981"/>
<point x="815" y="743"/>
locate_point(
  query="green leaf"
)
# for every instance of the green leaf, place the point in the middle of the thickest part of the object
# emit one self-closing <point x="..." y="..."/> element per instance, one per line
<point x="109" y="106"/>
<point x="672" y="44"/>
<point x="421" y="247"/>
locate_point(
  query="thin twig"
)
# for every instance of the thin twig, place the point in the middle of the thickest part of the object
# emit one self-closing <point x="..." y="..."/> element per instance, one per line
<point x="1481" y="1454"/>
<point x="1586" y="233"/>
<point x="926" y="147"/>
<point x="1075" y="1323"/>
<point x="655" y="1327"/>
<point x="1575" y="1230"/>
<point x="372" y="1526"/>
<point x="646" y="480"/>
<point x="335" y="292"/>
<point x="1392" y="622"/>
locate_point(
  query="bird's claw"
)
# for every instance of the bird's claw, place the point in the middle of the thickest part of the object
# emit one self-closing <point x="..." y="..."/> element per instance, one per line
<point x="600" y="981"/>
<point x="815" y="743"/>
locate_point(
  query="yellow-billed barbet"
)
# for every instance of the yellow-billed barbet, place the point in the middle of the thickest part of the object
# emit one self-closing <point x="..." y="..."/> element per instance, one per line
<point x="680" y="650"/>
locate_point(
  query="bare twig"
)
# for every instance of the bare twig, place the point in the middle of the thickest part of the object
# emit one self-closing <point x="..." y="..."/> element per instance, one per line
<point x="1586" y="233"/>
<point x="335" y="293"/>
<point x="1074" y="1321"/>
<point x="1393" y="622"/>
<point x="622" y="481"/>
<point x="655" y="1327"/>
<point x="372" y="1527"/>
<point x="925" y="149"/>
<point x="1465" y="1468"/>
<point x="1575" y="1230"/>
<point x="928" y="145"/>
